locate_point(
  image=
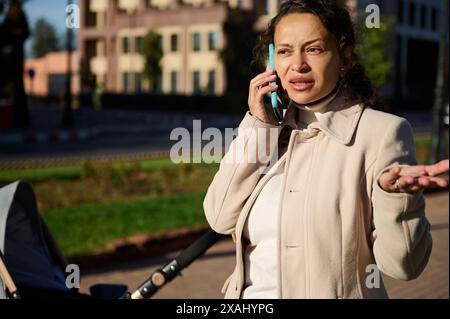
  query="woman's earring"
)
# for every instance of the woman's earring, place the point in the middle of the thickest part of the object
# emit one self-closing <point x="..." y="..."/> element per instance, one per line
<point x="342" y="72"/>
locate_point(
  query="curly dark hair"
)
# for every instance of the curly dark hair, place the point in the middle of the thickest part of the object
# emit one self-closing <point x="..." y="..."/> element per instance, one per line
<point x="335" y="16"/>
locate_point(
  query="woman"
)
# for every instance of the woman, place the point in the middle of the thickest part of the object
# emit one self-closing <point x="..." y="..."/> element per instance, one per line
<point x="345" y="197"/>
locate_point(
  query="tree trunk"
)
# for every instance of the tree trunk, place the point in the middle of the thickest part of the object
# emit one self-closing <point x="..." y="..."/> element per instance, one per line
<point x="15" y="32"/>
<point x="438" y="123"/>
<point x="21" y="116"/>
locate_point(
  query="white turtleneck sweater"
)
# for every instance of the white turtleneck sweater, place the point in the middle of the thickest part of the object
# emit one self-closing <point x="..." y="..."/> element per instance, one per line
<point x="261" y="227"/>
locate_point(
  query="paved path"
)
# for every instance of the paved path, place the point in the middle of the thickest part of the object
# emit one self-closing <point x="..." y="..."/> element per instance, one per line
<point x="433" y="283"/>
<point x="204" y="278"/>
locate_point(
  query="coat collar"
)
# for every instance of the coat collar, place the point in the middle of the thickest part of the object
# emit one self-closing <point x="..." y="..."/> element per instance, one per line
<point x="339" y="122"/>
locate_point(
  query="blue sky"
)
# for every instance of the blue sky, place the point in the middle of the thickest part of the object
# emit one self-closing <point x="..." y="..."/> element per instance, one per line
<point x="52" y="10"/>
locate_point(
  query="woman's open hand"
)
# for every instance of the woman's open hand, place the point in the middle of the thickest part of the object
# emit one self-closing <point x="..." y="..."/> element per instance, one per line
<point x="260" y="86"/>
<point x="411" y="179"/>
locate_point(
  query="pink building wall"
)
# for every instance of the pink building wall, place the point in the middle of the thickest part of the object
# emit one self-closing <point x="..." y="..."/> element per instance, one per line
<point x="51" y="63"/>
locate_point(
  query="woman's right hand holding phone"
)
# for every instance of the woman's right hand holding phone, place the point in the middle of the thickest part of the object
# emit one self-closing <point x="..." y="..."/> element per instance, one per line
<point x="260" y="87"/>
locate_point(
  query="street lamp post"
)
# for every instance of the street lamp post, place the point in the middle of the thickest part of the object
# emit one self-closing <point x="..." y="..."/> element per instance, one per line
<point x="438" y="123"/>
<point x="68" y="118"/>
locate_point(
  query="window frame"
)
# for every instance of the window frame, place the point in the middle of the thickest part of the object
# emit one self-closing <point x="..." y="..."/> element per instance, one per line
<point x="194" y="38"/>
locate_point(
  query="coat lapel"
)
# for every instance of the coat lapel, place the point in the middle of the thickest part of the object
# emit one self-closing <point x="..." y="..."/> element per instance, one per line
<point x="340" y="124"/>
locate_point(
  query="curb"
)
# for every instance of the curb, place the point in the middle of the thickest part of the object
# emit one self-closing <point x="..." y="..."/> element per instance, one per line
<point x="30" y="137"/>
<point x="138" y="247"/>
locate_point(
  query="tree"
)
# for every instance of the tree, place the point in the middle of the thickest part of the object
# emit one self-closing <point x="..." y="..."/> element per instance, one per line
<point x="152" y="52"/>
<point x="45" y="38"/>
<point x="237" y="54"/>
<point x="441" y="95"/>
<point x="237" y="57"/>
<point x="371" y="49"/>
<point x="13" y="33"/>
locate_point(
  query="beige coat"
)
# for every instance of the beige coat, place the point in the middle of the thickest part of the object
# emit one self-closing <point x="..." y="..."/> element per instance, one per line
<point x="328" y="244"/>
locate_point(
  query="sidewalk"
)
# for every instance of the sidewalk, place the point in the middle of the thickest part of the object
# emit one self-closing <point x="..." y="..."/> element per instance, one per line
<point x="204" y="278"/>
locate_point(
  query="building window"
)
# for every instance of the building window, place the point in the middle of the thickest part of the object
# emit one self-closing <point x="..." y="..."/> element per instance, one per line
<point x="173" y="82"/>
<point x="174" y="43"/>
<point x="412" y="13"/>
<point x="138" y="82"/>
<point x="139" y="48"/>
<point x="126" y="82"/>
<point x="212" y="41"/>
<point x="159" y="81"/>
<point x="196" y="41"/>
<point x="91" y="48"/>
<point x="400" y="11"/>
<point x="267" y="7"/>
<point x="101" y="19"/>
<point x="434" y="19"/>
<point x="161" y="43"/>
<point x="423" y="16"/>
<point x="100" y="48"/>
<point x="125" y="44"/>
<point x="211" y="81"/>
<point x="121" y="10"/>
<point x="91" y="19"/>
<point x="196" y="82"/>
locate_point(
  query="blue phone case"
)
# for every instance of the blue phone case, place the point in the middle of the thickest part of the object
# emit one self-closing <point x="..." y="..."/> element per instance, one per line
<point x="273" y="96"/>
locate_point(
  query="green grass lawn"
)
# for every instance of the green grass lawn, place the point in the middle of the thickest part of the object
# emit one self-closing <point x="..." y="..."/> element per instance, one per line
<point x="83" y="229"/>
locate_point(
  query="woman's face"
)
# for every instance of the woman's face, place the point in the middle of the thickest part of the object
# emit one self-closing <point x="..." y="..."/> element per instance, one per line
<point x="307" y="59"/>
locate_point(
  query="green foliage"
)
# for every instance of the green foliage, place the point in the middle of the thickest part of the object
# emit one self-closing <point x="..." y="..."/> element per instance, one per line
<point x="153" y="53"/>
<point x="371" y="49"/>
<point x="73" y="172"/>
<point x="14" y="2"/>
<point x="44" y="38"/>
<point x="36" y="175"/>
<point x="60" y="187"/>
<point x="4" y="3"/>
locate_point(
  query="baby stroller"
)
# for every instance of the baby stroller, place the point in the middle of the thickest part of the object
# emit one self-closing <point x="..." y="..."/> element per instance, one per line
<point x="32" y="265"/>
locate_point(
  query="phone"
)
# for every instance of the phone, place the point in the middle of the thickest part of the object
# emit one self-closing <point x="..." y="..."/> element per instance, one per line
<point x="277" y="110"/>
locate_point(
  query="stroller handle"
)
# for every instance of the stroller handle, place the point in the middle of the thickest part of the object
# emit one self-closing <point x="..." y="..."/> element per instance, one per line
<point x="4" y="273"/>
<point x="165" y="274"/>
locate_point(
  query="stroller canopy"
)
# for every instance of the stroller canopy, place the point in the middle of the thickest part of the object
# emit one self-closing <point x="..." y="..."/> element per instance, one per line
<point x="30" y="253"/>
